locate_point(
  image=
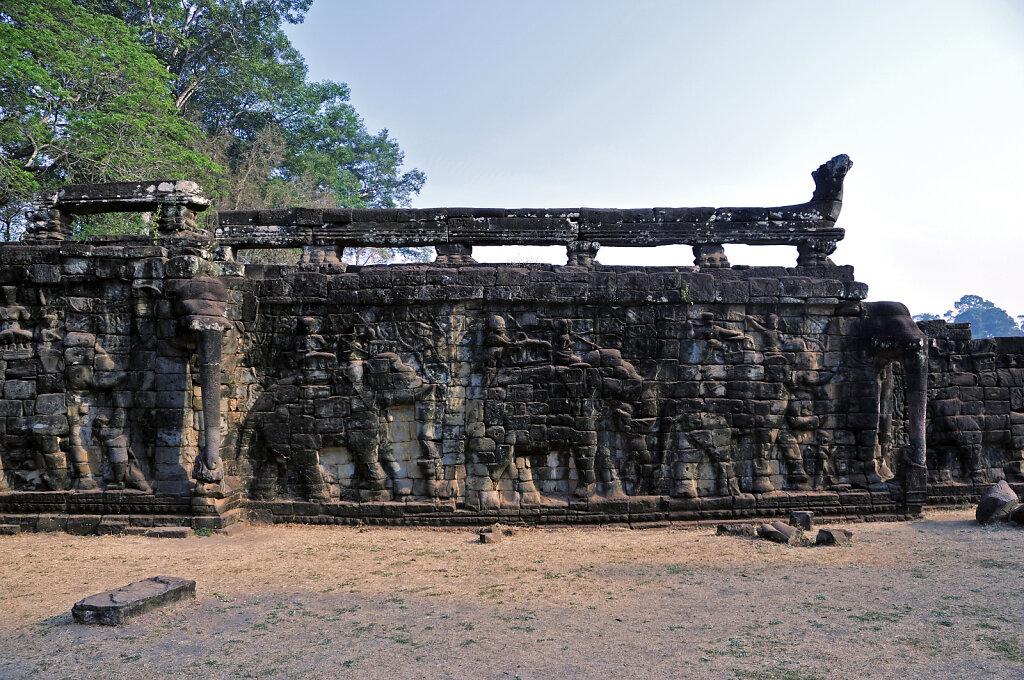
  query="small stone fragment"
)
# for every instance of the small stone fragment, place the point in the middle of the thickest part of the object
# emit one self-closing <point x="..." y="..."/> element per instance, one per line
<point x="491" y="534"/>
<point x="780" y="532"/>
<point x="834" y="536"/>
<point x="114" y="607"/>
<point x="736" y="530"/>
<point x="802" y="519"/>
<point x="997" y="504"/>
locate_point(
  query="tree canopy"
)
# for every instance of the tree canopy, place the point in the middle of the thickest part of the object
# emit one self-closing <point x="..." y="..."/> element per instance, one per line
<point x="83" y="101"/>
<point x="235" y="73"/>
<point x="211" y="90"/>
<point x="987" y="320"/>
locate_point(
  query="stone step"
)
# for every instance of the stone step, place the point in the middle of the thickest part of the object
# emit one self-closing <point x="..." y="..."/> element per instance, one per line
<point x="9" y="529"/>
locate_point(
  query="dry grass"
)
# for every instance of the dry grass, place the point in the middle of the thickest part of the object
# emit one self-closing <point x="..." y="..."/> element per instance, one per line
<point x="937" y="598"/>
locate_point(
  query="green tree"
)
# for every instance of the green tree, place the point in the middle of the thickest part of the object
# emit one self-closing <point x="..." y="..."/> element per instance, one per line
<point x="82" y="100"/>
<point x="987" y="320"/>
<point x="236" y="74"/>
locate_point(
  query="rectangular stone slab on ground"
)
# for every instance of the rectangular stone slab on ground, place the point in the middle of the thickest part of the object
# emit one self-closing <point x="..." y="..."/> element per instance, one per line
<point x="114" y="607"/>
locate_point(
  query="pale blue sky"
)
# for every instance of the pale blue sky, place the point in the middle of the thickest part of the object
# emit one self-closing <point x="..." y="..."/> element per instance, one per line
<point x="571" y="103"/>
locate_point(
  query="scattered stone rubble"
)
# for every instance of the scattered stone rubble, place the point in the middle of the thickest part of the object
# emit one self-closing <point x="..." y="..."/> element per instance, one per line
<point x="791" y="533"/>
<point x="496" y="533"/>
<point x="153" y="382"/>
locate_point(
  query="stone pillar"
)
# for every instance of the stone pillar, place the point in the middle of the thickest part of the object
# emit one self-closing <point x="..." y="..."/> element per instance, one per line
<point x="454" y="253"/>
<point x="892" y="335"/>
<point x="174" y="217"/>
<point x="814" y="252"/>
<point x="581" y="253"/>
<point x="315" y="257"/>
<point x="46" y="220"/>
<point x="710" y="255"/>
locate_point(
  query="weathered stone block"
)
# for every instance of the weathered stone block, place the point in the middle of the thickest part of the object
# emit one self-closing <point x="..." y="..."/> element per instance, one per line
<point x="803" y="519"/>
<point x="19" y="389"/>
<point x="833" y="536"/>
<point x="114" y="607"/>
<point x="997" y="504"/>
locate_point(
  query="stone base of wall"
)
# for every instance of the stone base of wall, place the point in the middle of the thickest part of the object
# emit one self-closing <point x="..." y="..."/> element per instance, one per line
<point x="957" y="493"/>
<point x="115" y="512"/>
<point x="636" y="511"/>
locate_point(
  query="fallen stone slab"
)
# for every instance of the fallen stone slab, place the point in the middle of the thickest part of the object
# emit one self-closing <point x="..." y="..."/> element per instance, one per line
<point x="1017" y="516"/>
<point x="736" y="530"/>
<point x="114" y="607"/>
<point x="802" y="519"/>
<point x="780" y="532"/>
<point x="834" y="536"/>
<point x="997" y="504"/>
<point x="161" y="532"/>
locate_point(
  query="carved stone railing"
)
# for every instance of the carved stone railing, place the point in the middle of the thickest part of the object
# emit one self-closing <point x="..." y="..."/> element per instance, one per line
<point x="454" y="231"/>
<point x="173" y="202"/>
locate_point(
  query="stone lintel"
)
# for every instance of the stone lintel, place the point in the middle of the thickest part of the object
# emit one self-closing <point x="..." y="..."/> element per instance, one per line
<point x="92" y="199"/>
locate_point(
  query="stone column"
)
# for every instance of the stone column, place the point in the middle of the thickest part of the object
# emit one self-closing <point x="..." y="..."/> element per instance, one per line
<point x="814" y="252"/>
<point x="581" y="253"/>
<point x="915" y="478"/>
<point x="454" y="253"/>
<point x="315" y="257"/>
<point x="174" y="217"/>
<point x="710" y="255"/>
<point x="46" y="220"/>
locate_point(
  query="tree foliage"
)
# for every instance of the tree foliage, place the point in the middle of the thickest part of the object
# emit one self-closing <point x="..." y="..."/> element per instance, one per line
<point x="235" y="73"/>
<point x="210" y="90"/>
<point x="987" y="320"/>
<point x="82" y="100"/>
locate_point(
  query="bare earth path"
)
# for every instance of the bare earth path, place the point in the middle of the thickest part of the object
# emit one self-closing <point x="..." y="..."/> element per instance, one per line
<point x="936" y="598"/>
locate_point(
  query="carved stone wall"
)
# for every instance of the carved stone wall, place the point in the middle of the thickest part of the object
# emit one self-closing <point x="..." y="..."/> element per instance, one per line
<point x="975" y="412"/>
<point x="444" y="393"/>
<point x="155" y="381"/>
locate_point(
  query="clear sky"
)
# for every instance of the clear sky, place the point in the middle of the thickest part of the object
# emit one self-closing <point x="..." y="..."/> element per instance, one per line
<point x="569" y="103"/>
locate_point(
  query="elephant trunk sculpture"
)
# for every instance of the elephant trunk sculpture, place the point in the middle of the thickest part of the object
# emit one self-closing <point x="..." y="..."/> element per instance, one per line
<point x="893" y="335"/>
<point x="203" y="305"/>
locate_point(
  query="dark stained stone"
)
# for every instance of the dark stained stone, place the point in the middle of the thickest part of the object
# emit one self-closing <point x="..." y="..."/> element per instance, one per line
<point x="803" y="519"/>
<point x="997" y="504"/>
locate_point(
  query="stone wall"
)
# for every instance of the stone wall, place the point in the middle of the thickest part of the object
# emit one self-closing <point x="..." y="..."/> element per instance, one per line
<point x="448" y="392"/>
<point x="155" y="381"/>
<point x="975" y="412"/>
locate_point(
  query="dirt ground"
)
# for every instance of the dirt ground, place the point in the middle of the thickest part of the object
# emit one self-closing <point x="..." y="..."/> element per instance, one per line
<point x="935" y="598"/>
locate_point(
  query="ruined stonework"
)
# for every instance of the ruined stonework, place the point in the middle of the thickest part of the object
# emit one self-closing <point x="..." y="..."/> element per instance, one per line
<point x="975" y="412"/>
<point x="157" y="381"/>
